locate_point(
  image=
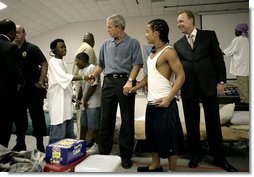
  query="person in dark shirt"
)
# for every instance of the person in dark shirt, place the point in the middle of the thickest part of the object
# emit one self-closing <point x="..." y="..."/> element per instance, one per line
<point x="11" y="78"/>
<point x="32" y="94"/>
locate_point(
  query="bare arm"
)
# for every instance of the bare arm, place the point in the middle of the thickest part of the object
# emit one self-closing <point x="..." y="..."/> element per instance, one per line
<point x="134" y="72"/>
<point x="90" y="92"/>
<point x="79" y="77"/>
<point x="133" y="75"/>
<point x="177" y="68"/>
<point x="96" y="73"/>
<point x="78" y="100"/>
<point x="142" y="83"/>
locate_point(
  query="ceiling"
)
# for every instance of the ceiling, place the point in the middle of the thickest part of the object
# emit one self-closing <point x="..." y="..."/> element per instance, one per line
<point x="40" y="16"/>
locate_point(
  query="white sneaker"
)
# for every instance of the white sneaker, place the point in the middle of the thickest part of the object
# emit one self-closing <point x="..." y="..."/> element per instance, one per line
<point x="93" y="150"/>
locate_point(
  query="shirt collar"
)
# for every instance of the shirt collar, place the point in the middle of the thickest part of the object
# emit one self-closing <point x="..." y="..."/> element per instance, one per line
<point x="126" y="36"/>
<point x="193" y="33"/>
<point x="5" y="36"/>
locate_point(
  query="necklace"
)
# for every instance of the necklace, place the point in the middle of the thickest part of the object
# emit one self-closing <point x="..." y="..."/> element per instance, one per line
<point x="154" y="49"/>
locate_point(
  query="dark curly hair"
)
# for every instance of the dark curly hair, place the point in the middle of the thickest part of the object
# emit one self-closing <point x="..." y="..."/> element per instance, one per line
<point x="83" y="56"/>
<point x="161" y="26"/>
<point x="54" y="43"/>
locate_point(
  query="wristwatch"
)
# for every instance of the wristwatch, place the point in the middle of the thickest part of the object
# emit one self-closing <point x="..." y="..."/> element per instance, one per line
<point x="222" y="82"/>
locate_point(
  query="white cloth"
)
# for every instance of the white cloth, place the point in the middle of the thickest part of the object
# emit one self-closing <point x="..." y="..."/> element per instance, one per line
<point x="60" y="92"/>
<point x="95" y="99"/>
<point x="158" y="85"/>
<point x="238" y="51"/>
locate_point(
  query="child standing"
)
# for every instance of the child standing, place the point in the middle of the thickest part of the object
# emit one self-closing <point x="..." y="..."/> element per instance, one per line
<point x="90" y="97"/>
<point x="60" y="94"/>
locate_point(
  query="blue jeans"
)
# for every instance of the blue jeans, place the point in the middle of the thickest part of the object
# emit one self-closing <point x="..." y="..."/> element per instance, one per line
<point x="61" y="131"/>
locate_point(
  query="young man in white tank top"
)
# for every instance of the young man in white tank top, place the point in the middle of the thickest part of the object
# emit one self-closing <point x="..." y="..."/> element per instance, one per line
<point x="163" y="127"/>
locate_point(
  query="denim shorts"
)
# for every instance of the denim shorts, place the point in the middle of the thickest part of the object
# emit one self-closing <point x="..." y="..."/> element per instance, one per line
<point x="91" y="117"/>
<point x="61" y="131"/>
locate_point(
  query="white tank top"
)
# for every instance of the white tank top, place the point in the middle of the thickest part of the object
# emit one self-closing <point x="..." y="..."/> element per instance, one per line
<point x="158" y="85"/>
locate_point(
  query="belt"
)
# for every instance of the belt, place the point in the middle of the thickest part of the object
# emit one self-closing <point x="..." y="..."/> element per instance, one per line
<point x="116" y="76"/>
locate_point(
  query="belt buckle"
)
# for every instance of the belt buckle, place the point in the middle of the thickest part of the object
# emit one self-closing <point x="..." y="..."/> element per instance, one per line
<point x="115" y="76"/>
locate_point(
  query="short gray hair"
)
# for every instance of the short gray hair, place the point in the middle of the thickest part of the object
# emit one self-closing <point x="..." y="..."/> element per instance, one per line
<point x="117" y="20"/>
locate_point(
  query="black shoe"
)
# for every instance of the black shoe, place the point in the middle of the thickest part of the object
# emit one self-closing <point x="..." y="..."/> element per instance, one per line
<point x="40" y="147"/>
<point x="146" y="169"/>
<point x="193" y="163"/>
<point x="126" y="163"/>
<point x="19" y="147"/>
<point x="89" y="144"/>
<point x="225" y="165"/>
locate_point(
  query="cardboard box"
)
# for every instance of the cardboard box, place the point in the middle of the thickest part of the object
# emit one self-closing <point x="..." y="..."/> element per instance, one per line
<point x="65" y="151"/>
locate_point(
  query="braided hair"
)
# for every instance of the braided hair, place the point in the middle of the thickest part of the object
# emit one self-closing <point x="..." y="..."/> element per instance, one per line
<point x="161" y="26"/>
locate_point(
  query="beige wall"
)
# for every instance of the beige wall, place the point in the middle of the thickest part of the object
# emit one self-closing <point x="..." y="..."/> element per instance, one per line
<point x="224" y="26"/>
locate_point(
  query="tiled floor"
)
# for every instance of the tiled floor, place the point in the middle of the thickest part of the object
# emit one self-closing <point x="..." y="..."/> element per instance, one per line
<point x="237" y="155"/>
<point x="30" y="142"/>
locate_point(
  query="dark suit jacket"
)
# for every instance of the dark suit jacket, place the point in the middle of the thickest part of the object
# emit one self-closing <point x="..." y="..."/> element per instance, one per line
<point x="11" y="74"/>
<point x="205" y="61"/>
<point x="10" y="78"/>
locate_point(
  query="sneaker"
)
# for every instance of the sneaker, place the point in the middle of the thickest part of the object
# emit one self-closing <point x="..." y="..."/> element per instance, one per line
<point x="94" y="149"/>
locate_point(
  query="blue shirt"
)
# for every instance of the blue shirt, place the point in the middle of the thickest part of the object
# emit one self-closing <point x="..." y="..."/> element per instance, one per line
<point x="120" y="58"/>
<point x="146" y="53"/>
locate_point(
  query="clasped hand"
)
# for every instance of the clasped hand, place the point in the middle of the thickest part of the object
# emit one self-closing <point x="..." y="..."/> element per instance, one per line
<point x="127" y="88"/>
<point x="91" y="78"/>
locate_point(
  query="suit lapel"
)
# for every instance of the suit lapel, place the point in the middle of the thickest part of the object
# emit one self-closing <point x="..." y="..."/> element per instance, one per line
<point x="185" y="48"/>
<point x="197" y="39"/>
<point x="185" y="43"/>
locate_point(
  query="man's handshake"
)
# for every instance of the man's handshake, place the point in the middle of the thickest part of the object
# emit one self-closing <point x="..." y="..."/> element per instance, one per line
<point x="91" y="78"/>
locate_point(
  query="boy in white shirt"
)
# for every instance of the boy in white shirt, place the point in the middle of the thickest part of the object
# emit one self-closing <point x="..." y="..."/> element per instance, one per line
<point x="60" y="93"/>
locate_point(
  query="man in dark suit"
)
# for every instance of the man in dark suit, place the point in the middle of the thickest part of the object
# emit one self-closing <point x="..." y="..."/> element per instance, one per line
<point x="205" y="73"/>
<point x="10" y="78"/>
